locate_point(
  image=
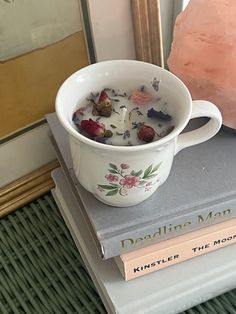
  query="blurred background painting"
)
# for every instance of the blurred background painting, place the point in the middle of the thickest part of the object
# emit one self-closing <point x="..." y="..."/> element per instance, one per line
<point x="41" y="44"/>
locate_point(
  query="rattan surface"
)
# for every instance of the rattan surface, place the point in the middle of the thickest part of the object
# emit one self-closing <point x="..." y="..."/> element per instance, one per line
<point x="41" y="270"/>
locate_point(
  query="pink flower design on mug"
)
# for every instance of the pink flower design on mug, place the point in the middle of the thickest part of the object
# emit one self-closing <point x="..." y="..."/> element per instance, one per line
<point x="100" y="189"/>
<point x="124" y="166"/>
<point x="111" y="177"/>
<point x="129" y="181"/>
<point x="148" y="186"/>
<point x="121" y="180"/>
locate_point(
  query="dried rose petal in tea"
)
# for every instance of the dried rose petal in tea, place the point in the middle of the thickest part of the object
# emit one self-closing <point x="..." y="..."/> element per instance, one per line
<point x="140" y="97"/>
<point x="92" y="128"/>
<point x="124" y="118"/>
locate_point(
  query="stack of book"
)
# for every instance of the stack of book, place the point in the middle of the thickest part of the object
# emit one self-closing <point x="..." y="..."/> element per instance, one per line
<point x="179" y="242"/>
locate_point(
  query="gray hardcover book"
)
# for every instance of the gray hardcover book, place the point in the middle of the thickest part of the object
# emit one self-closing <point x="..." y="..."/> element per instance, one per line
<point x="200" y="190"/>
<point x="170" y="290"/>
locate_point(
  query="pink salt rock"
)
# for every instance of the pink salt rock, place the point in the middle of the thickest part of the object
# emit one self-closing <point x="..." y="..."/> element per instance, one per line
<point x="203" y="53"/>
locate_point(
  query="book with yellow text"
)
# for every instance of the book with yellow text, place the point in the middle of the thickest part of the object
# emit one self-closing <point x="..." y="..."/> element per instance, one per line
<point x="176" y="250"/>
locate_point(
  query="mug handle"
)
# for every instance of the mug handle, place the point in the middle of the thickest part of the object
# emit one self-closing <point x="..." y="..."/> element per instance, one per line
<point x="201" y="108"/>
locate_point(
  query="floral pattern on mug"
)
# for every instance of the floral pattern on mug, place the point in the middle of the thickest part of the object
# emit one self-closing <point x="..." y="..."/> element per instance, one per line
<point x="121" y="180"/>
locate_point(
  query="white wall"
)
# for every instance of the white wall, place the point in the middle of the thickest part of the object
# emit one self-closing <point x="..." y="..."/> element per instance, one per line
<point x="185" y="3"/>
<point x="24" y="154"/>
<point x="112" y="30"/>
<point x="113" y="35"/>
<point x="167" y="7"/>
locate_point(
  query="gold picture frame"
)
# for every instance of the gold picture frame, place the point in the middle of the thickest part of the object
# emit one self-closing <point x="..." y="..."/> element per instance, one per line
<point x="27" y="188"/>
<point x="146" y="15"/>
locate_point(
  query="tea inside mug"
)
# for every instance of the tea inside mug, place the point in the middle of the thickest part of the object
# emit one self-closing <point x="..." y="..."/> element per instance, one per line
<point x="121" y="116"/>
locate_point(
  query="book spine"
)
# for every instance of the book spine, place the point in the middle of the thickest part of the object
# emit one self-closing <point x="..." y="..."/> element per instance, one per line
<point x="144" y="235"/>
<point x="177" y="253"/>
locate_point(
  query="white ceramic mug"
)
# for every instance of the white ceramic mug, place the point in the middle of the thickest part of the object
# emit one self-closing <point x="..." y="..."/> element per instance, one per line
<point x="127" y="175"/>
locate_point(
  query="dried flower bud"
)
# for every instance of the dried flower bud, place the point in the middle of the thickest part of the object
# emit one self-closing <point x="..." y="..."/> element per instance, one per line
<point x="146" y="133"/>
<point x="104" y="105"/>
<point x="108" y="133"/>
<point x="92" y="128"/>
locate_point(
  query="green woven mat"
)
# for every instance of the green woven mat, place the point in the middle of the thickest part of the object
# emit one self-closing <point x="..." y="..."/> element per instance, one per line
<point x="41" y="270"/>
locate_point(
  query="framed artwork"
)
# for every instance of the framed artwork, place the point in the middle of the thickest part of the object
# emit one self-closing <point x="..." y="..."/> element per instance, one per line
<point x="42" y="43"/>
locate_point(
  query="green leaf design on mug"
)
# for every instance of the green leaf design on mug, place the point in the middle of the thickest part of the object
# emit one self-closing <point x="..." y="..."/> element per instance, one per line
<point x="107" y="187"/>
<point x="137" y="174"/>
<point x="113" y="192"/>
<point x="113" y="166"/>
<point x="149" y="172"/>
